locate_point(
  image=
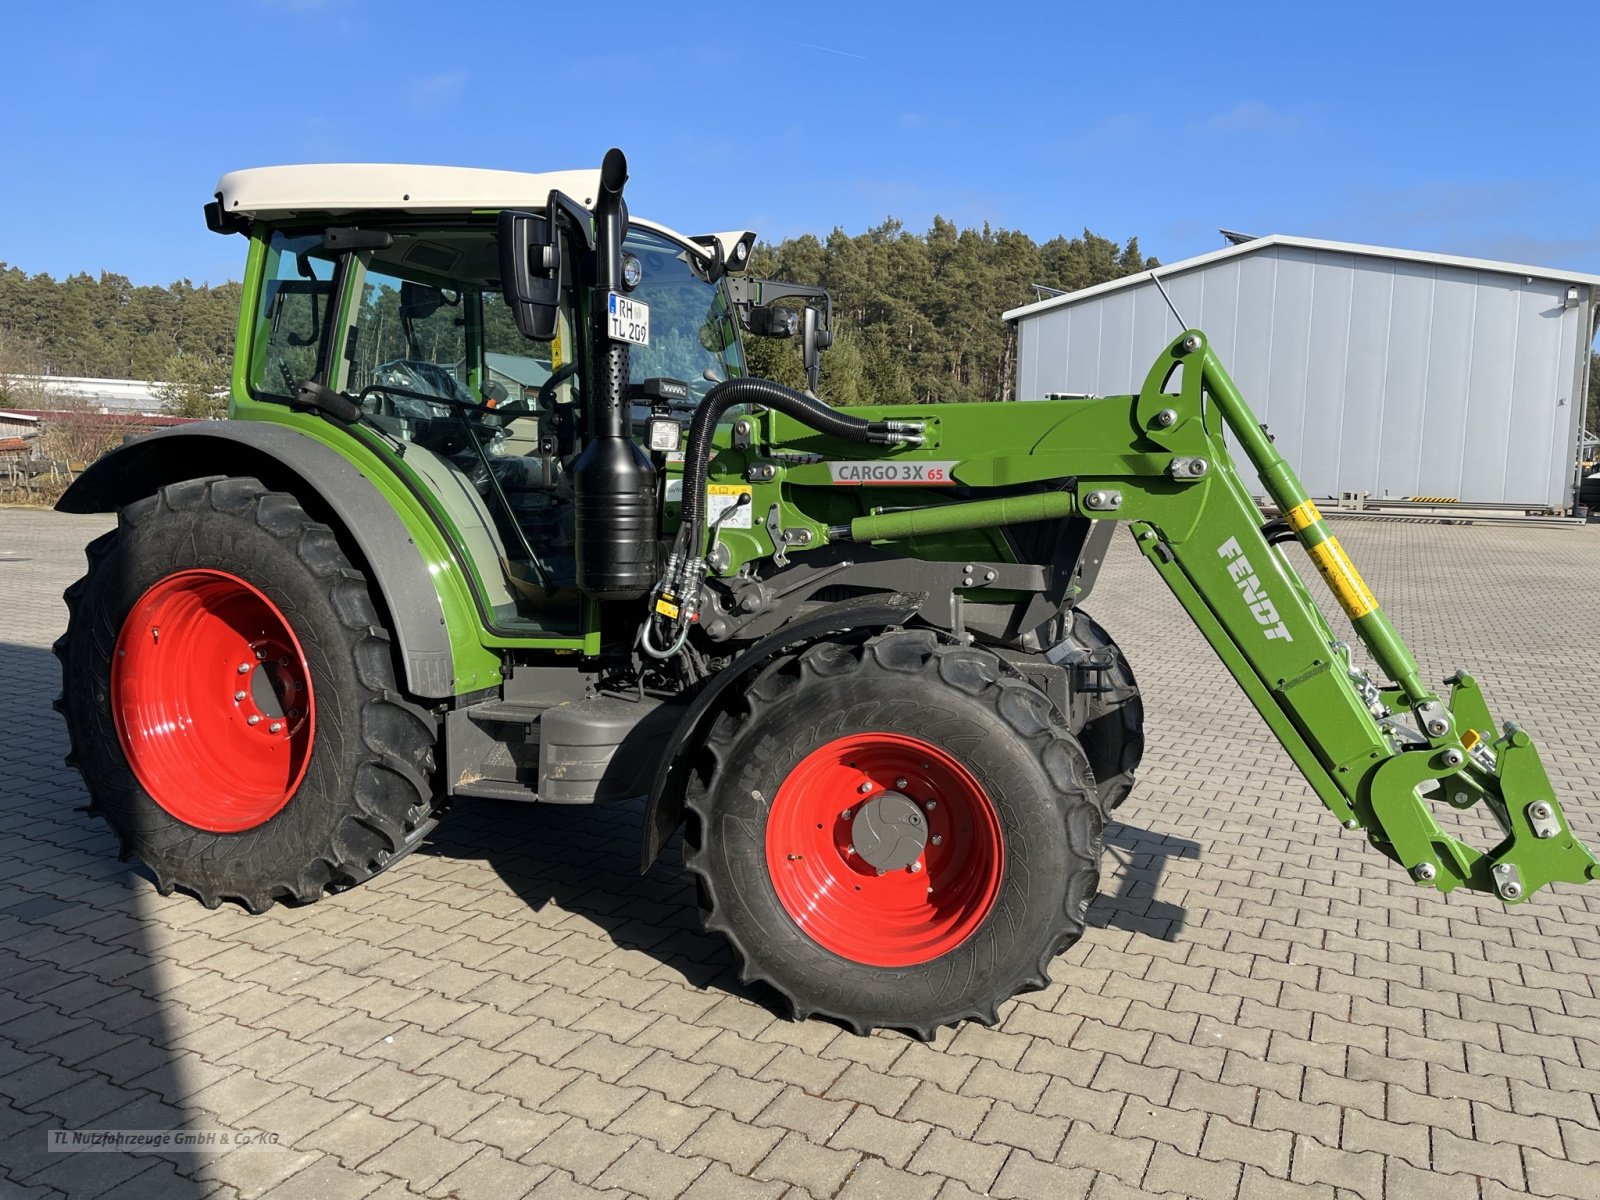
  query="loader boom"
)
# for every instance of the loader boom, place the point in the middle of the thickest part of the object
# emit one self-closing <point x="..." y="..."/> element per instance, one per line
<point x="1366" y="762"/>
<point x="1375" y="753"/>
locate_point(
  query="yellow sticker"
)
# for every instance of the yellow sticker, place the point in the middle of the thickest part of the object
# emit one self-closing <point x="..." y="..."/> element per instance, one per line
<point x="667" y="608"/>
<point x="721" y="497"/>
<point x="1302" y="515"/>
<point x="1348" y="587"/>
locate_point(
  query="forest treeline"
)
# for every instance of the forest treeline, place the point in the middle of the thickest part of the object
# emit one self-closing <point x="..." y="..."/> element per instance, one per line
<point x="917" y="316"/>
<point x="108" y="328"/>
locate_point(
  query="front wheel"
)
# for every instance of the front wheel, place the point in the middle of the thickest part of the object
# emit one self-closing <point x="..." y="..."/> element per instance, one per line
<point x="896" y="833"/>
<point x="231" y="700"/>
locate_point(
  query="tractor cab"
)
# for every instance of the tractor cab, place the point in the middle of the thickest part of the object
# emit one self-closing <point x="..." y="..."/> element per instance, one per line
<point x="383" y="284"/>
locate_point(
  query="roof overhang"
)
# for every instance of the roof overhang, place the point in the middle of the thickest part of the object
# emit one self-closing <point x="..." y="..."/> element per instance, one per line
<point x="1167" y="271"/>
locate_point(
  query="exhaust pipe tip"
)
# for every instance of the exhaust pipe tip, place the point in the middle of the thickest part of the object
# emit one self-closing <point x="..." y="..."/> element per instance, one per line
<point x="613" y="171"/>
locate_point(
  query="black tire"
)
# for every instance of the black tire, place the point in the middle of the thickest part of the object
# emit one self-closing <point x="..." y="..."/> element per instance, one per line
<point x="366" y="795"/>
<point x="1113" y="734"/>
<point x="970" y="705"/>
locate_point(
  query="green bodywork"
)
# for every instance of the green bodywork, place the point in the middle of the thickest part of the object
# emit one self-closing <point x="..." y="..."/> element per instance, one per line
<point x="1377" y="754"/>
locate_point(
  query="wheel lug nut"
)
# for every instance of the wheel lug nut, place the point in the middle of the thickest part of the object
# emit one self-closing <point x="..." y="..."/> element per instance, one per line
<point x="260" y="654"/>
<point x="900" y="784"/>
<point x="937" y="839"/>
<point x="244" y="668"/>
<point x="931" y="805"/>
<point x="916" y="867"/>
<point x="882" y="872"/>
<point x="849" y="851"/>
<point x="284" y="661"/>
<point x="238" y="697"/>
<point x="846" y="814"/>
<point x="275" y="727"/>
<point x="252" y="719"/>
<point x="865" y="787"/>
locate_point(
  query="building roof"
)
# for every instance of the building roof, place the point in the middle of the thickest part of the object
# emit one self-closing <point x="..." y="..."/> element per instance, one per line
<point x="518" y="368"/>
<point x="116" y="419"/>
<point x="1167" y="270"/>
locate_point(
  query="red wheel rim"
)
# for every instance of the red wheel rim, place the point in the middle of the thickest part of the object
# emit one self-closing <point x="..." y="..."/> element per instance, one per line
<point x="212" y="701"/>
<point x="898" y="917"/>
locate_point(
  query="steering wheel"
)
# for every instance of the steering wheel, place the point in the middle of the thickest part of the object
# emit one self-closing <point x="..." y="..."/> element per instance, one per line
<point x="545" y="400"/>
<point x="547" y="391"/>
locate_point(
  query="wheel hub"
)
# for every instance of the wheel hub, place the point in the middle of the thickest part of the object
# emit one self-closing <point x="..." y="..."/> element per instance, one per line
<point x="884" y="848"/>
<point x="212" y="700"/>
<point x="889" y="832"/>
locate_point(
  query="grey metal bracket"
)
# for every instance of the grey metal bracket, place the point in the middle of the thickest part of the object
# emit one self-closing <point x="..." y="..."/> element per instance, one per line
<point x="1507" y="880"/>
<point x="1542" y="817"/>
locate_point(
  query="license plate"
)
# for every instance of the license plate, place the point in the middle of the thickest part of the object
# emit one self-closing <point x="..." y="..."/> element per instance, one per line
<point x="630" y="320"/>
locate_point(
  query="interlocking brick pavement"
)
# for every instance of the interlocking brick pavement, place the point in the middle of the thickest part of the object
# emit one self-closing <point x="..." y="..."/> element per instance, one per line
<point x="1263" y="1007"/>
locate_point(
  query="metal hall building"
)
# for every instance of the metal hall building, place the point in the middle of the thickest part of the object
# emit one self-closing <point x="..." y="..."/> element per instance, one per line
<point x="1391" y="372"/>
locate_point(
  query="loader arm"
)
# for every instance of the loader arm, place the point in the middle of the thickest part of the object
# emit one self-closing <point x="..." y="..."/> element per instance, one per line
<point x="1378" y="754"/>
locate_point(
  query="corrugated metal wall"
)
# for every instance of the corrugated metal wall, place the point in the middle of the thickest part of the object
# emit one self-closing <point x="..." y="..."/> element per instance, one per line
<point x="1375" y="374"/>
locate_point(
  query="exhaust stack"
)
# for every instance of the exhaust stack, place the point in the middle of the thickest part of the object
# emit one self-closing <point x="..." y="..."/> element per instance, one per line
<point x="614" y="483"/>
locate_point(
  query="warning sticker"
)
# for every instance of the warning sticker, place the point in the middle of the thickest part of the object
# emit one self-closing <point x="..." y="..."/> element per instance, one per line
<point x="722" y="496"/>
<point x="877" y="474"/>
<point x="1348" y="587"/>
<point x="1302" y="515"/>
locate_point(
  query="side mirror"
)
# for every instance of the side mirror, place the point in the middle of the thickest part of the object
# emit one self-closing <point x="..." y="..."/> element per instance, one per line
<point x="419" y="301"/>
<point x="774" y="321"/>
<point x="815" y="339"/>
<point x="530" y="272"/>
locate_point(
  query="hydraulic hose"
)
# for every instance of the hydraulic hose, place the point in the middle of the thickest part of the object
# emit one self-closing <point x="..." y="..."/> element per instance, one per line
<point x="674" y="596"/>
<point x="808" y="410"/>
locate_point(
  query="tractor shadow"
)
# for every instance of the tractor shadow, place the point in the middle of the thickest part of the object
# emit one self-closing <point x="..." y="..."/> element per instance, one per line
<point x="579" y="866"/>
<point x="1130" y="874"/>
<point x="89" y="1036"/>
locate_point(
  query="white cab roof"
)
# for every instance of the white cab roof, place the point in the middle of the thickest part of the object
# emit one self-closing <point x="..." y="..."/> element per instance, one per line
<point x="394" y="187"/>
<point x="398" y="187"/>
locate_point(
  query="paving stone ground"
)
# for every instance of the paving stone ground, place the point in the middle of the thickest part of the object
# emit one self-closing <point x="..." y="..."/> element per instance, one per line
<point x="1263" y="1007"/>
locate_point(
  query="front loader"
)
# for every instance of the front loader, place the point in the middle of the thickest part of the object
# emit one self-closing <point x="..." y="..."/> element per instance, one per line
<point x="498" y="515"/>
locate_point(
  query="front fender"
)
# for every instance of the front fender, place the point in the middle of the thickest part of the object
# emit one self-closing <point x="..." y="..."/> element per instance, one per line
<point x="664" y="810"/>
<point x="288" y="460"/>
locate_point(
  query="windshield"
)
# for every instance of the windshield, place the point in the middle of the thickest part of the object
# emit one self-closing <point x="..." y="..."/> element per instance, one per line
<point x="692" y="331"/>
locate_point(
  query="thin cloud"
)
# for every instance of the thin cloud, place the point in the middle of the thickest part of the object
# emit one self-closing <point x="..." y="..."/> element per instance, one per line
<point x="1251" y="116"/>
<point x="824" y="49"/>
<point x="433" y="90"/>
<point x="1115" y="131"/>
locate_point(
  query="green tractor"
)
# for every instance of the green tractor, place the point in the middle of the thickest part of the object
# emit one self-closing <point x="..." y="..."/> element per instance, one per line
<point x="498" y="514"/>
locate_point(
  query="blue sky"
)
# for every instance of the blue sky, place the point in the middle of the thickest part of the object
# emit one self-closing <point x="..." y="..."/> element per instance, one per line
<point x="1465" y="128"/>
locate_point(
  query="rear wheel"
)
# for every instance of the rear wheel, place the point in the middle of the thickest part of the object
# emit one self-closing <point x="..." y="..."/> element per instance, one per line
<point x="896" y="833"/>
<point x="232" y="703"/>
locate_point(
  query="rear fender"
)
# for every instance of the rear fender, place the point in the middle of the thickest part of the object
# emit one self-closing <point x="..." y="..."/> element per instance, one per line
<point x="290" y="461"/>
<point x="664" y="810"/>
